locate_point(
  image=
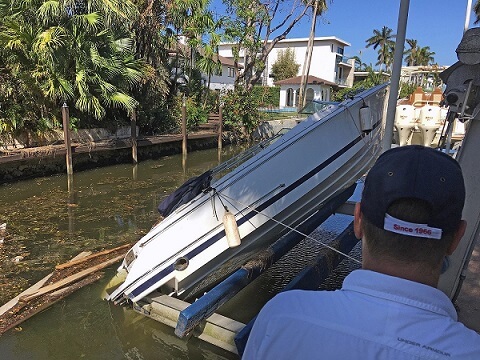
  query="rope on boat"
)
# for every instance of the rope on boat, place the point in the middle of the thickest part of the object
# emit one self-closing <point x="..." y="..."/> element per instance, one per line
<point x="289" y="227"/>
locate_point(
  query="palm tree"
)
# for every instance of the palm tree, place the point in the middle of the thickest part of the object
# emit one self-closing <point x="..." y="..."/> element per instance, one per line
<point x="75" y="52"/>
<point x="417" y="56"/>
<point x="425" y="56"/>
<point x="190" y="19"/>
<point x="209" y="64"/>
<point x="383" y="40"/>
<point x="411" y="54"/>
<point x="358" y="64"/>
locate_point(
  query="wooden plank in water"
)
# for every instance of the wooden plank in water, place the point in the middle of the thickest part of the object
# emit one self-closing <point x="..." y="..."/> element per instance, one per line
<point x="91" y="256"/>
<point x="9" y="305"/>
<point x="21" y="312"/>
<point x="62" y="282"/>
<point x="72" y="278"/>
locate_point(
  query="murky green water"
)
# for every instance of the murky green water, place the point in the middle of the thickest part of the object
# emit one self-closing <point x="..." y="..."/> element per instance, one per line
<point x="111" y="206"/>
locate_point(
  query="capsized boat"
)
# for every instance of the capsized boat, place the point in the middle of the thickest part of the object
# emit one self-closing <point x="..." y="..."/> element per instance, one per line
<point x="273" y="189"/>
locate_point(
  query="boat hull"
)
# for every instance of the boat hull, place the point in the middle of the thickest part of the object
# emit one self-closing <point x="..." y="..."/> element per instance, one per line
<point x="269" y="194"/>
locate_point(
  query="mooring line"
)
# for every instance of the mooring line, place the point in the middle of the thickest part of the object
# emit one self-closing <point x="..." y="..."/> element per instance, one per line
<point x="290" y="228"/>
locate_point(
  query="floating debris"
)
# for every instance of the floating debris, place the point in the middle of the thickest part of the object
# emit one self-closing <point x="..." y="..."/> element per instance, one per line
<point x="17" y="259"/>
<point x="64" y="280"/>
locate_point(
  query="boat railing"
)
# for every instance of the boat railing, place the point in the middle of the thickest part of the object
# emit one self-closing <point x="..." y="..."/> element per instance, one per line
<point x="234" y="162"/>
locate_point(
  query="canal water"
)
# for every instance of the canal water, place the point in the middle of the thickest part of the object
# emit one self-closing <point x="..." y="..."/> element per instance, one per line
<point x="107" y="207"/>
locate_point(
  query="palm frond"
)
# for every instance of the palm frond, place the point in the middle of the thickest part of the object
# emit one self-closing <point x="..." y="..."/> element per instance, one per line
<point x="50" y="10"/>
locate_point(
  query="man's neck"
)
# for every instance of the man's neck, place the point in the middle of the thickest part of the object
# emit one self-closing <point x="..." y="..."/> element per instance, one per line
<point x="410" y="271"/>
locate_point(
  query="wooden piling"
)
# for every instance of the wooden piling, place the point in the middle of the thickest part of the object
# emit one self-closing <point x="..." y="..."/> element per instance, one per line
<point x="66" y="136"/>
<point x="133" y="136"/>
<point x="220" y="127"/>
<point x="184" y="128"/>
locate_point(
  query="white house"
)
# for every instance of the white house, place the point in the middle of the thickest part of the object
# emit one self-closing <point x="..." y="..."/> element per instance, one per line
<point x="317" y="88"/>
<point x="328" y="61"/>
<point x="225" y="79"/>
<point x="329" y="67"/>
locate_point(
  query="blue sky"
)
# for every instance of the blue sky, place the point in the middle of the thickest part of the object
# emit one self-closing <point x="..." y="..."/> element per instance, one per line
<point x="435" y="23"/>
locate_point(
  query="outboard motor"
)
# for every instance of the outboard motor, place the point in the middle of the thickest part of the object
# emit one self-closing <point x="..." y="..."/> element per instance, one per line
<point x="405" y="123"/>
<point x="429" y="123"/>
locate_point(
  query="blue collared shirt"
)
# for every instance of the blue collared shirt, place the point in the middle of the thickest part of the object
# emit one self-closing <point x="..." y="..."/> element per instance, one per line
<point x="373" y="316"/>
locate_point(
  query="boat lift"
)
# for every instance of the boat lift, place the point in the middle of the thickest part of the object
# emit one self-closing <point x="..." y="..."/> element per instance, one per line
<point x="199" y="318"/>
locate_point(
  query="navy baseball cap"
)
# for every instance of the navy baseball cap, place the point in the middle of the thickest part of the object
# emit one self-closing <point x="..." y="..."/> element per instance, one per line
<point x="416" y="172"/>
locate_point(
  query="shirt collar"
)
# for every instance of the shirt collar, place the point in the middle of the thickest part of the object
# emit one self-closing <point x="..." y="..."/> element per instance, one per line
<point x="400" y="290"/>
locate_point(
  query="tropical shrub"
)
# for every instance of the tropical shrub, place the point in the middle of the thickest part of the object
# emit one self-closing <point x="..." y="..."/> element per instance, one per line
<point x="406" y="90"/>
<point x="240" y="111"/>
<point x="267" y="96"/>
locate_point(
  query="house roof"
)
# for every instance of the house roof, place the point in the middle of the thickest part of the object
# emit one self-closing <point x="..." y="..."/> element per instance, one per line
<point x="228" y="62"/>
<point x="223" y="60"/>
<point x="297" y="80"/>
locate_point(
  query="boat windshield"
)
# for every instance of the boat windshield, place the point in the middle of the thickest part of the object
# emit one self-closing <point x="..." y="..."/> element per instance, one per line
<point x="234" y="162"/>
<point x="315" y="106"/>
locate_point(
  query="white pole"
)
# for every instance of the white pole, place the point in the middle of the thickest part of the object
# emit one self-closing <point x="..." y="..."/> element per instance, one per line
<point x="397" y="68"/>
<point x="467" y="15"/>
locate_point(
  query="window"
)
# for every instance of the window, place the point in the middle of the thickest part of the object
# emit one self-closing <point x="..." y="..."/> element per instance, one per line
<point x="340" y="50"/>
<point x="231" y="72"/>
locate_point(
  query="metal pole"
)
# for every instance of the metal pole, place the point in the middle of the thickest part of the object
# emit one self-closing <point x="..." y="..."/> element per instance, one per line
<point x="66" y="138"/>
<point x="467" y="15"/>
<point x="397" y="68"/>
<point x="184" y="128"/>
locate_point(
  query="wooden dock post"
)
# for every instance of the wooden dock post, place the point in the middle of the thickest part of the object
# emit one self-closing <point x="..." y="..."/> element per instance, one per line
<point x="220" y="127"/>
<point x="66" y="137"/>
<point x="133" y="136"/>
<point x="184" y="127"/>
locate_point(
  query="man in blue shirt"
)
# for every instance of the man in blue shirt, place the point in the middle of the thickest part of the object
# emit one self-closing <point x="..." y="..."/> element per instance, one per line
<point x="409" y="219"/>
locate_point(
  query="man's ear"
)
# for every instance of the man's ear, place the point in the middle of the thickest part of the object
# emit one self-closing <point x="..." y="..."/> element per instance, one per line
<point x="457" y="237"/>
<point x="357" y="221"/>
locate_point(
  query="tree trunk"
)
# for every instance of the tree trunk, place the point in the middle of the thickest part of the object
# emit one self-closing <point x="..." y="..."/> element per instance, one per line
<point x="308" y="59"/>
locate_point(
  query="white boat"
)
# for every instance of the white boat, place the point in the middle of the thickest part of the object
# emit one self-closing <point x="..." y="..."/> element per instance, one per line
<point x="281" y="185"/>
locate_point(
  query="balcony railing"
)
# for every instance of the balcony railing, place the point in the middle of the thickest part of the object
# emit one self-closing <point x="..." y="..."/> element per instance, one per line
<point x="343" y="60"/>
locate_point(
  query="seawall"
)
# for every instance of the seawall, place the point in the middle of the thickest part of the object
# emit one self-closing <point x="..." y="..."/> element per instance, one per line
<point x="49" y="160"/>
